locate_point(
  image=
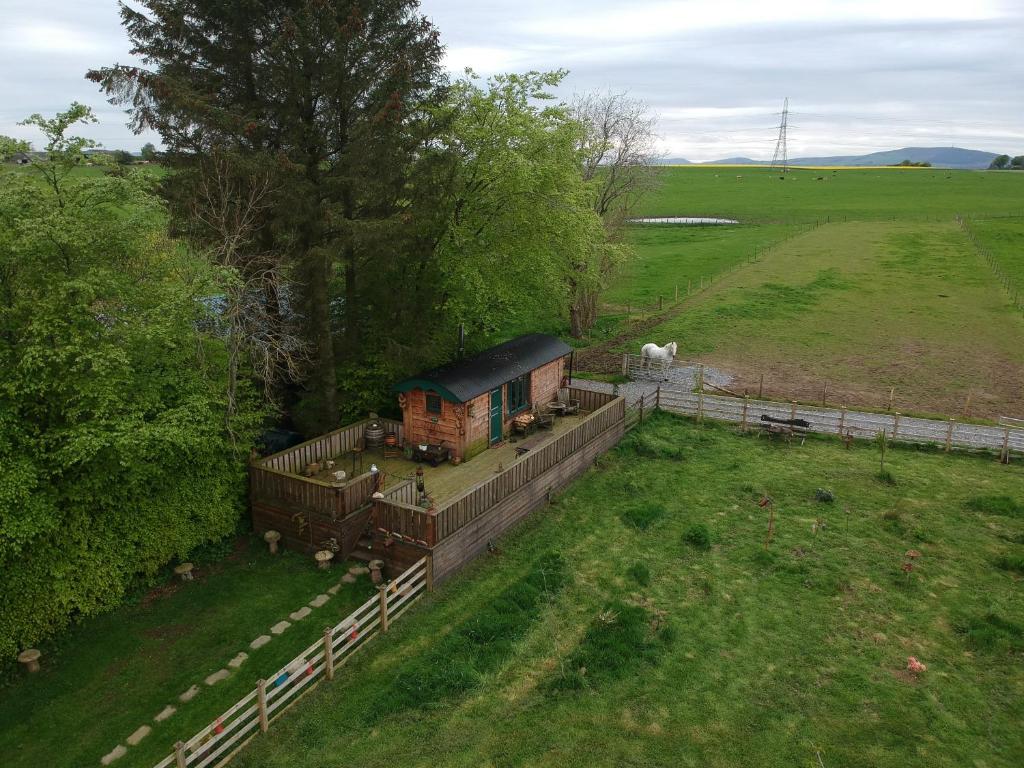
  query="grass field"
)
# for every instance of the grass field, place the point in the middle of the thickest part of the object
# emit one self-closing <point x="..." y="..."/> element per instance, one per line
<point x="114" y="673"/>
<point x="1004" y="237"/>
<point x="641" y="621"/>
<point x="873" y="194"/>
<point x="866" y="306"/>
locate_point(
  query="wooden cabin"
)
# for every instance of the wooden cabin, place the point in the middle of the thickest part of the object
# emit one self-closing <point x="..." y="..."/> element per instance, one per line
<point x="468" y="405"/>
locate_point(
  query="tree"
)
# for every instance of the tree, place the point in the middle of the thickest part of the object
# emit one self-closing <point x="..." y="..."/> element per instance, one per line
<point x="148" y="152"/>
<point x="329" y="99"/>
<point x="1017" y="163"/>
<point x="114" y="457"/>
<point x="999" y="162"/>
<point x="619" y="156"/>
<point x="10" y="147"/>
<point x="123" y="157"/>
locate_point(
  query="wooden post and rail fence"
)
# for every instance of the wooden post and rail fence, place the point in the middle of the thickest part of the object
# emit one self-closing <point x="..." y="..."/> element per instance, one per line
<point x="254" y="713"/>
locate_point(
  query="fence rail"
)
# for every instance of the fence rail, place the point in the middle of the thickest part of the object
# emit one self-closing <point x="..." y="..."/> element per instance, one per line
<point x="213" y="746"/>
<point x="949" y="434"/>
<point x="477" y="500"/>
<point x="328" y="446"/>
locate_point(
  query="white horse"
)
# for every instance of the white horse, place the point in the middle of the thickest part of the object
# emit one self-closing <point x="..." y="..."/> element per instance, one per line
<point x="652" y="353"/>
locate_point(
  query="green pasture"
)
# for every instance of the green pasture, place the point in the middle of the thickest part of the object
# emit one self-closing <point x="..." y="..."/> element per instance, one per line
<point x="669" y="257"/>
<point x="641" y="620"/>
<point x="1004" y="238"/>
<point x="115" y="672"/>
<point x="865" y="306"/>
<point x="754" y="194"/>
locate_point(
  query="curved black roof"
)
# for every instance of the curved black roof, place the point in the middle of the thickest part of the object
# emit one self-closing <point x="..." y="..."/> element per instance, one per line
<point x="465" y="379"/>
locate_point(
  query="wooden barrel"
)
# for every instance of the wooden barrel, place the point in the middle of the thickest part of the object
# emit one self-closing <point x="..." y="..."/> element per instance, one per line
<point x="374" y="434"/>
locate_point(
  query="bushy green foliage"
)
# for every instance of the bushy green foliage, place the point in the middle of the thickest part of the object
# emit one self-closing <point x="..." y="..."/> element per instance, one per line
<point x="698" y="536"/>
<point x="619" y="639"/>
<point x="456" y="662"/>
<point x="112" y="435"/>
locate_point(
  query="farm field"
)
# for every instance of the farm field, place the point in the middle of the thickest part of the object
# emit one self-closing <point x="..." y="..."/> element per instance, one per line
<point x="641" y="620"/>
<point x="870" y="193"/>
<point x="115" y="672"/>
<point x="1004" y="237"/>
<point x="866" y="306"/>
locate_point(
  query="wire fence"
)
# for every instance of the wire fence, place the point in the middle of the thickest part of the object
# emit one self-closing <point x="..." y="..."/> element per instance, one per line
<point x="1008" y="284"/>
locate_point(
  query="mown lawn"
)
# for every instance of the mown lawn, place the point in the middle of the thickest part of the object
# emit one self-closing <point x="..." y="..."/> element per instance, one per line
<point x="641" y="621"/>
<point x="114" y="673"/>
<point x="759" y="195"/>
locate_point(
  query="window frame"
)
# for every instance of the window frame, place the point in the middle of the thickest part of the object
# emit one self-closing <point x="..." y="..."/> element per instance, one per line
<point x="430" y="397"/>
<point x="518" y="391"/>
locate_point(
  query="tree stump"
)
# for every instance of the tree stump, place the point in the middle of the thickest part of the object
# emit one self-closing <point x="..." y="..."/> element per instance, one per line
<point x="184" y="571"/>
<point x="323" y="559"/>
<point x="29" y="658"/>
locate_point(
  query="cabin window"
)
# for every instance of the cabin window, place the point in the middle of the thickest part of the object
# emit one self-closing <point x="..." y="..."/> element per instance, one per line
<point x="518" y="394"/>
<point x="433" y="403"/>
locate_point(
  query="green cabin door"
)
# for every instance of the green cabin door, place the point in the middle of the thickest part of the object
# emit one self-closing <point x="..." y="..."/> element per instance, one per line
<point x="496" y="407"/>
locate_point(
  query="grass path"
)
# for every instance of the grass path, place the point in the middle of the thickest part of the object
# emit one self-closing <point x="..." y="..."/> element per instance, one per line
<point x="866" y="306"/>
<point x="728" y="656"/>
<point x="115" y="672"/>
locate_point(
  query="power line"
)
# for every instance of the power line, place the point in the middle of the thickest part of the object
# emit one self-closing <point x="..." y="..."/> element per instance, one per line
<point x="781" y="151"/>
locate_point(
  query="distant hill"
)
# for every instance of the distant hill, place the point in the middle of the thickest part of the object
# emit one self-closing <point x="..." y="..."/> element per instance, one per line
<point x="939" y="157"/>
<point x="675" y="161"/>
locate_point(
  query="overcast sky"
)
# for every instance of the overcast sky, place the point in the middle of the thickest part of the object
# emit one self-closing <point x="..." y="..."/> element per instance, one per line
<point x="861" y="75"/>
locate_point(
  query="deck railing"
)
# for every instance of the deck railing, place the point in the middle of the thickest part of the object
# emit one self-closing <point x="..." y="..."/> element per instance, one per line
<point x="329" y="446"/>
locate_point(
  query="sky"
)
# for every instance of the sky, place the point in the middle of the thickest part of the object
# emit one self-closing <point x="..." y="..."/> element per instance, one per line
<point x="860" y="75"/>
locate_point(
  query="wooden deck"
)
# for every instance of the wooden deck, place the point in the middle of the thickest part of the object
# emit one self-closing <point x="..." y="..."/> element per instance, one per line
<point x="447" y="481"/>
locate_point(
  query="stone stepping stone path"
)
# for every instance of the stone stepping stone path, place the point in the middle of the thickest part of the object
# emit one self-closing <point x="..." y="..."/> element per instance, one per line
<point x="236" y="662"/>
<point x="317" y="602"/>
<point x="216" y="677"/>
<point x="139" y="734"/>
<point x="280" y="627"/>
<point x="119" y="751"/>
<point x="190" y="694"/>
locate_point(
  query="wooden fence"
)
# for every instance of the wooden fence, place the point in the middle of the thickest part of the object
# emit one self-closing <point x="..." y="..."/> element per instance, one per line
<point x="464" y="508"/>
<point x="1011" y="288"/>
<point x="328" y="446"/>
<point x="214" y="745"/>
<point x="1004" y="439"/>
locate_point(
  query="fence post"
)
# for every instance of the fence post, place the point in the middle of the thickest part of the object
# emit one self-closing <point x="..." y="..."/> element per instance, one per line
<point x="641" y="402"/>
<point x="382" y="593"/>
<point x="824" y="392"/>
<point x="625" y="363"/>
<point x="895" y="424"/>
<point x="261" y="701"/>
<point x="842" y="419"/>
<point x="179" y="754"/>
<point x="949" y="435"/>
<point x="700" y="393"/>
<point x="760" y="388"/>
<point x="967" y="405"/>
<point x="329" y="652"/>
<point x="792" y="410"/>
<point x="430" y="572"/>
<point x="657" y="397"/>
<point x="1006" y="446"/>
<point x="892" y="393"/>
<point x="431" y="527"/>
<point x="743" y="420"/>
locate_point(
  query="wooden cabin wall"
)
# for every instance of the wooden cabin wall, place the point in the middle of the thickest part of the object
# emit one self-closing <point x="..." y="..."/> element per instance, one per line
<point x="422" y="427"/>
<point x="545" y="382"/>
<point x="478" y="425"/>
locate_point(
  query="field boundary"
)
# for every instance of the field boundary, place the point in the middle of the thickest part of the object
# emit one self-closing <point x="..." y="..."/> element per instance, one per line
<point x="214" y="745"/>
<point x="842" y="422"/>
<point x="1012" y="290"/>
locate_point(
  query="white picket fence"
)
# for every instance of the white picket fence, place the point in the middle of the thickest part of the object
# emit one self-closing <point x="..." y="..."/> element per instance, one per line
<point x="214" y="745"/>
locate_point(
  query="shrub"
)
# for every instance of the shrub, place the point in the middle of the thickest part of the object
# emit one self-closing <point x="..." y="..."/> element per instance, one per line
<point x="640" y="573"/>
<point x="642" y="516"/>
<point x="886" y="477"/>
<point x="996" y="505"/>
<point x="698" y="536"/>
<point x="824" y="495"/>
<point x="650" y="445"/>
